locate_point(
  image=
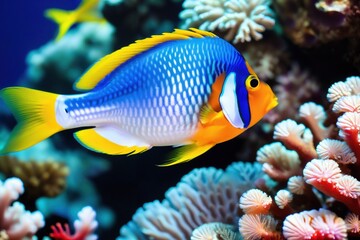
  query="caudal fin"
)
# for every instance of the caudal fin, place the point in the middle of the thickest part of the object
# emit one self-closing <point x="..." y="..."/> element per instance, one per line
<point x="63" y="18"/>
<point x="34" y="111"/>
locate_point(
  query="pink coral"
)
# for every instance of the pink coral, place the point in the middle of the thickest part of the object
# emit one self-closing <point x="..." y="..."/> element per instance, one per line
<point x="321" y="224"/>
<point x="325" y="175"/>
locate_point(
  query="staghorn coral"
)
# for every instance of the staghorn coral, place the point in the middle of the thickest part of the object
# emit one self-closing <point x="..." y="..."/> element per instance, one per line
<point x="16" y="223"/>
<point x="202" y="196"/>
<point x="84" y="227"/>
<point x="41" y="179"/>
<point x="242" y="20"/>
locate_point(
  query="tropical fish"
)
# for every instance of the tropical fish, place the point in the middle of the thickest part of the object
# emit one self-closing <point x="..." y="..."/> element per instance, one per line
<point x="187" y="88"/>
<point x="84" y="13"/>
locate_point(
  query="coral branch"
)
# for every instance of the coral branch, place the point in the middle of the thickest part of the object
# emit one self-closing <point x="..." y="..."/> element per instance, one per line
<point x="84" y="227"/>
<point x="296" y="137"/>
<point x="325" y="175"/>
<point x="15" y="220"/>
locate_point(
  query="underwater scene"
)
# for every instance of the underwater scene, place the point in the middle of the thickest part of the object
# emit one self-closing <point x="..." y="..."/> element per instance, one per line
<point x="180" y="119"/>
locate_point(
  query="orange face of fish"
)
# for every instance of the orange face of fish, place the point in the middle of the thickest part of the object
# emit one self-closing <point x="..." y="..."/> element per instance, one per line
<point x="261" y="98"/>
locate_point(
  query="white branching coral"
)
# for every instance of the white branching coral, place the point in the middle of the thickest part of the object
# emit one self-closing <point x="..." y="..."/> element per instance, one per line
<point x="243" y="20"/>
<point x="84" y="227"/>
<point x="215" y="231"/>
<point x="15" y="221"/>
<point x="309" y="224"/>
<point x="204" y="195"/>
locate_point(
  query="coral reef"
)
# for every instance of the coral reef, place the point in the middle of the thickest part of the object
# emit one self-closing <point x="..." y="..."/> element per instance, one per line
<point x="241" y="20"/>
<point x="81" y="167"/>
<point x="303" y="186"/>
<point x="315" y="169"/>
<point x="309" y="23"/>
<point x="41" y="179"/>
<point x="322" y="176"/>
<point x="203" y="196"/>
<point x="84" y="227"/>
<point x="16" y="223"/>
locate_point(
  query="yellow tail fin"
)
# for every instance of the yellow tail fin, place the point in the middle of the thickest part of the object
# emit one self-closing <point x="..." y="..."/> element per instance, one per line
<point x="63" y="18"/>
<point x="34" y="111"/>
<point x="57" y="15"/>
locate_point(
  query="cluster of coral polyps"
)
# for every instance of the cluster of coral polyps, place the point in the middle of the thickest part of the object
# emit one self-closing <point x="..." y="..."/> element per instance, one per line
<point x="318" y="191"/>
<point x="15" y="222"/>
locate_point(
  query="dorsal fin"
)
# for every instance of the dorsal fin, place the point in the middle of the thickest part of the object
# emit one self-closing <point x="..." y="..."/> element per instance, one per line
<point x="108" y="63"/>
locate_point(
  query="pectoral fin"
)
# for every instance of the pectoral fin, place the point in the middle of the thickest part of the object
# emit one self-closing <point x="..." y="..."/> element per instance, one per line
<point x="110" y="140"/>
<point x="186" y="153"/>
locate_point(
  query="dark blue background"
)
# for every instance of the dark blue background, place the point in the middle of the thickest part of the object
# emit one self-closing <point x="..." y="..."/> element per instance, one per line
<point x="24" y="28"/>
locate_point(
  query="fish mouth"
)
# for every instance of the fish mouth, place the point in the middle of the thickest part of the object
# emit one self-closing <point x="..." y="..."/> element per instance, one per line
<point x="274" y="102"/>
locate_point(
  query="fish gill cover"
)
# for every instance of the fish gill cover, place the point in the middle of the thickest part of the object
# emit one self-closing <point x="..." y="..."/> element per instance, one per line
<point x="302" y="176"/>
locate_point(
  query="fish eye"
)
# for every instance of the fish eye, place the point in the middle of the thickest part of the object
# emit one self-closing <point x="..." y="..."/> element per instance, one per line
<point x="66" y="110"/>
<point x="252" y="82"/>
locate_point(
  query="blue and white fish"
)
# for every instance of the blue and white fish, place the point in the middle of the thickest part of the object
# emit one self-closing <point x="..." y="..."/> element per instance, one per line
<point x="188" y="87"/>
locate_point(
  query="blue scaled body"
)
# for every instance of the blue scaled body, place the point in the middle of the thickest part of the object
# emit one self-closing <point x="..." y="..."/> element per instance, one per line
<point x="158" y="94"/>
<point x="188" y="87"/>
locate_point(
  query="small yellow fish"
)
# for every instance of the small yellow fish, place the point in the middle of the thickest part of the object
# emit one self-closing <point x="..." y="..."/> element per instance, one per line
<point x="188" y="87"/>
<point x="86" y="12"/>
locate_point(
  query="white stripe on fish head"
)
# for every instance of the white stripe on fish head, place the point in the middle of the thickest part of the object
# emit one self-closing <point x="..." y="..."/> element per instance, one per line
<point x="229" y="101"/>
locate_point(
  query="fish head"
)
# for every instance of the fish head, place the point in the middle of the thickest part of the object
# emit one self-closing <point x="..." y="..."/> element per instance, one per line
<point x="244" y="98"/>
<point x="261" y="98"/>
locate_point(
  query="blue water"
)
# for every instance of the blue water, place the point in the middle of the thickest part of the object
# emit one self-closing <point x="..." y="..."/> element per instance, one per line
<point x="24" y="28"/>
